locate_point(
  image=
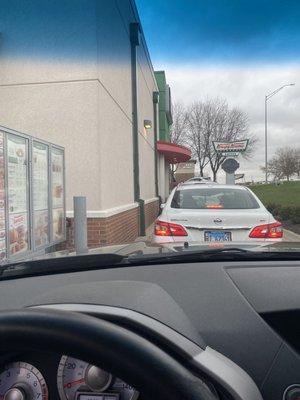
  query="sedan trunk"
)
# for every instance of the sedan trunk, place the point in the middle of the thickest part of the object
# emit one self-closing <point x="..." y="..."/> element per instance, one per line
<point x="219" y="225"/>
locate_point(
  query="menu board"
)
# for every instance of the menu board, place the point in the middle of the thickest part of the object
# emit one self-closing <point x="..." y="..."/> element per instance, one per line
<point x="40" y="194"/>
<point x="57" y="168"/>
<point x="17" y="178"/>
<point x="2" y="200"/>
<point x="32" y="204"/>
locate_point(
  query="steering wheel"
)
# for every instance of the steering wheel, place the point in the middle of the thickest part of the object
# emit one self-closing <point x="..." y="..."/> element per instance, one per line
<point x="154" y="373"/>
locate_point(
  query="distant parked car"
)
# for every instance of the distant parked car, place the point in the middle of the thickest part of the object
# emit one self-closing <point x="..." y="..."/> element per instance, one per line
<point x="215" y="213"/>
<point x="199" y="179"/>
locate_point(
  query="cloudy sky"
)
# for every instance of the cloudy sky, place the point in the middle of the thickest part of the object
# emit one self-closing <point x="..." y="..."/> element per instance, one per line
<point x="235" y="49"/>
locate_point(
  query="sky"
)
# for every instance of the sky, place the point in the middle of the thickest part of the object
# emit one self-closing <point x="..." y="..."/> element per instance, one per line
<point x="239" y="50"/>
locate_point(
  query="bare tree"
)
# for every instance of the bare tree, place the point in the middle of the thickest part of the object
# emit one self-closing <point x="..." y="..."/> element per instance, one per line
<point x="284" y="164"/>
<point x="274" y="169"/>
<point x="219" y="131"/>
<point x="287" y="157"/>
<point x="197" y="124"/>
<point x="298" y="162"/>
<point x="213" y="120"/>
<point x="178" y="128"/>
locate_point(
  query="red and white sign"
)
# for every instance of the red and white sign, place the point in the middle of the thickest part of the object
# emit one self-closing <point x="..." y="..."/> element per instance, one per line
<point x="227" y="147"/>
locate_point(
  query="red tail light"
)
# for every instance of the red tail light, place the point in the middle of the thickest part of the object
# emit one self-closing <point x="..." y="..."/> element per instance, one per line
<point x="268" y="231"/>
<point x="167" y="229"/>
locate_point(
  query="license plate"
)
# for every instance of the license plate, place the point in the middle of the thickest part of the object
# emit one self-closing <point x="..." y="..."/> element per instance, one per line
<point x="217" y="236"/>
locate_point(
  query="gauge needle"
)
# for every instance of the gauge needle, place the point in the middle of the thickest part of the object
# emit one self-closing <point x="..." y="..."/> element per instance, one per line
<point x="70" y="384"/>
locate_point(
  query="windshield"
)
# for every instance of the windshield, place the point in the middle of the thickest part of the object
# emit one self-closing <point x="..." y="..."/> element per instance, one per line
<point x="206" y="199"/>
<point x="166" y="123"/>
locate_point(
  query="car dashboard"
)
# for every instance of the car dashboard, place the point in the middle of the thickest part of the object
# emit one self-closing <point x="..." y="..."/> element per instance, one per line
<point x="43" y="376"/>
<point x="231" y="323"/>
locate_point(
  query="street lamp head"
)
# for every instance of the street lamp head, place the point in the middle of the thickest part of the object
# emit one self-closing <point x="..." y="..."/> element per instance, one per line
<point x="268" y="96"/>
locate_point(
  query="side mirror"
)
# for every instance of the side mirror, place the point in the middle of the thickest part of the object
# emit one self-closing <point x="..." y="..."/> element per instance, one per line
<point x="162" y="206"/>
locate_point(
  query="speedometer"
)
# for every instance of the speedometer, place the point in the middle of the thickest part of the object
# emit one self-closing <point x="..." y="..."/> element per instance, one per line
<point x="79" y="380"/>
<point x="22" y="381"/>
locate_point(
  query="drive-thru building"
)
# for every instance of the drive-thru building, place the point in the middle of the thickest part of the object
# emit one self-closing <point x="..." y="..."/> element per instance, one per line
<point x="78" y="74"/>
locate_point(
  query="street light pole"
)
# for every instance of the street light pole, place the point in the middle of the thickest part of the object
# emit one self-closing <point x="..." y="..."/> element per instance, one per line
<point x="267" y="97"/>
<point x="266" y="137"/>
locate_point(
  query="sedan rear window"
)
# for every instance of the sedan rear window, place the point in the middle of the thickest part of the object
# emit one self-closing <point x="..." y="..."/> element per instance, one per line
<point x="213" y="198"/>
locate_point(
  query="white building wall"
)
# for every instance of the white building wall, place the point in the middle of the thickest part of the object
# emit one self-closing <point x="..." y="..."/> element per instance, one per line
<point x="146" y="136"/>
<point x="161" y="177"/>
<point x="116" y="159"/>
<point x="114" y="53"/>
<point x="56" y="113"/>
<point x="74" y="89"/>
<point x="167" y="179"/>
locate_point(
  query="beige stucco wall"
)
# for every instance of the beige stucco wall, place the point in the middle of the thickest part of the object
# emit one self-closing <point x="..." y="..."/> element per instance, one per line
<point x="115" y="78"/>
<point x="116" y="183"/>
<point x="85" y="106"/>
<point x="162" y="177"/>
<point x="146" y="136"/>
<point x="57" y="113"/>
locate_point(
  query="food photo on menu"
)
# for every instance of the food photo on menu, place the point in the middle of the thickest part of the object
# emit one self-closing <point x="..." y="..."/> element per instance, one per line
<point x="58" y="224"/>
<point x="41" y="228"/>
<point x="2" y="236"/>
<point x="18" y="233"/>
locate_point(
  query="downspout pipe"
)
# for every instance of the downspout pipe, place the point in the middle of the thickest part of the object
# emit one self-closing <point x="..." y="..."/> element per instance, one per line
<point x="155" y="117"/>
<point x="135" y="42"/>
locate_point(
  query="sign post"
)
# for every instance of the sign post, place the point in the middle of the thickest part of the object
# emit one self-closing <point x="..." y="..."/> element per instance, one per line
<point x="231" y="150"/>
<point x="230" y="179"/>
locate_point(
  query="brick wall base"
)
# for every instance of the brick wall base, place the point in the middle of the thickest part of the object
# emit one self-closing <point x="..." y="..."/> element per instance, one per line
<point x="151" y="212"/>
<point x="117" y="229"/>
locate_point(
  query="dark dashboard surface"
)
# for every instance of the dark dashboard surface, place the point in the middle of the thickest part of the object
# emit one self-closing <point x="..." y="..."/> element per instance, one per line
<point x="218" y="304"/>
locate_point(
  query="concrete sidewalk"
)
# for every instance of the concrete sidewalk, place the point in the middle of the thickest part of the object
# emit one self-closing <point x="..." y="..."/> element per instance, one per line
<point x="149" y="234"/>
<point x="289" y="236"/>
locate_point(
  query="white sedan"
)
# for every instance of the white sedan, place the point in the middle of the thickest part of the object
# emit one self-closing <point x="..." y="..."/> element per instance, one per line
<point x="215" y="213"/>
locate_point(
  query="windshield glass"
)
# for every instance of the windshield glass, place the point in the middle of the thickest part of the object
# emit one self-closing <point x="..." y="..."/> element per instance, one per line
<point x="107" y="107"/>
<point x="206" y="198"/>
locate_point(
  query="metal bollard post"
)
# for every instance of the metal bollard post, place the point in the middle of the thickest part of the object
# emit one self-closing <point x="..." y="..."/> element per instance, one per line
<point x="80" y="224"/>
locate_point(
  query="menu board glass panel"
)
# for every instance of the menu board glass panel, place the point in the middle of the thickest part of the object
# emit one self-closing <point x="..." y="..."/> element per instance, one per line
<point x="32" y="203"/>
<point x="40" y="182"/>
<point x="17" y="179"/>
<point x="2" y="200"/>
<point x="57" y="168"/>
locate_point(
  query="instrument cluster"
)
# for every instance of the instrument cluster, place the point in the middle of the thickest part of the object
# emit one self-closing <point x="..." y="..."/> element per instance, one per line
<point x="50" y="377"/>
